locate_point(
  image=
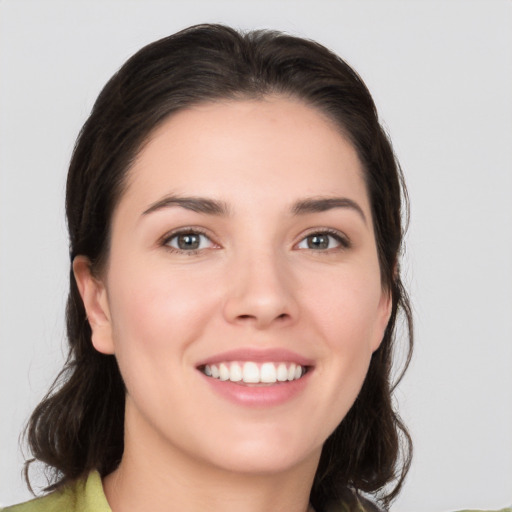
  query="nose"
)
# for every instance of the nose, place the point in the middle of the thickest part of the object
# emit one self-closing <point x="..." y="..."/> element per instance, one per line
<point x="261" y="292"/>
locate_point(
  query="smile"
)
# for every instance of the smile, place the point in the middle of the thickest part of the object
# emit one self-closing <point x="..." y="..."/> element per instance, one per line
<point x="250" y="372"/>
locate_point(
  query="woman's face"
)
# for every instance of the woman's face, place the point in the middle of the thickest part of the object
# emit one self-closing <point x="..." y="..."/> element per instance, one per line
<point x="242" y="296"/>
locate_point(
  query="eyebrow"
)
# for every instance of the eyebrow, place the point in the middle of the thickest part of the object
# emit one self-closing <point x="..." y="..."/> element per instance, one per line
<point x="215" y="207"/>
<point x="322" y="204"/>
<point x="195" y="204"/>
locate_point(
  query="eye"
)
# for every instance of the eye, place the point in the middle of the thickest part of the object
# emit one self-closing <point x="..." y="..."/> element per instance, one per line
<point x="188" y="241"/>
<point x="323" y="241"/>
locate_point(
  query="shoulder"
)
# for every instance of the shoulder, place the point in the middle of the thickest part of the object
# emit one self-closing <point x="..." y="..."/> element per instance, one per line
<point x="85" y="495"/>
<point x="57" y="500"/>
<point x="352" y="501"/>
<point x="507" y="509"/>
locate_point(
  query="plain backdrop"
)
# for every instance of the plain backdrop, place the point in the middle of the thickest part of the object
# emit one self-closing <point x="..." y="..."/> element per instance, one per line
<point x="441" y="75"/>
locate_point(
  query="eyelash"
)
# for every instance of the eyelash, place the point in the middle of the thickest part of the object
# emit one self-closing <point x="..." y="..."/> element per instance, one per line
<point x="165" y="241"/>
<point x="344" y="242"/>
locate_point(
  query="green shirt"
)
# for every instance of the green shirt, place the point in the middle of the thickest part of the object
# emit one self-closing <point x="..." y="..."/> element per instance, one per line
<point x="86" y="496"/>
<point x="80" y="496"/>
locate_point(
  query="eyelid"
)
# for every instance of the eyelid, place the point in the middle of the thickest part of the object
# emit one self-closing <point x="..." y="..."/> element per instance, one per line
<point x="165" y="239"/>
<point x="344" y="240"/>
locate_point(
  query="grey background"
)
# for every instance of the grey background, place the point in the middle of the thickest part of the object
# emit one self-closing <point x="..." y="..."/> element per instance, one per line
<point x="441" y="75"/>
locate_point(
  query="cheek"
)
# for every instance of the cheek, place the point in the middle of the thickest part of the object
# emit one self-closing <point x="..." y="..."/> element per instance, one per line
<point x="156" y="314"/>
<point x="347" y="314"/>
<point x="347" y="308"/>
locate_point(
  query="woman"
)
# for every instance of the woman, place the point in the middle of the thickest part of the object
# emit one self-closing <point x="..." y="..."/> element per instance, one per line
<point x="234" y="210"/>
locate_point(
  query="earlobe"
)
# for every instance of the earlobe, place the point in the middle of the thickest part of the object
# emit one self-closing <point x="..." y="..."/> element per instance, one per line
<point x="385" y="310"/>
<point x="94" y="296"/>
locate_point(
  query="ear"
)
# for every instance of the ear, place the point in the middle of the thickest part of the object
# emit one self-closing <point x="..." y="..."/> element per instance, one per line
<point x="385" y="308"/>
<point x="94" y="296"/>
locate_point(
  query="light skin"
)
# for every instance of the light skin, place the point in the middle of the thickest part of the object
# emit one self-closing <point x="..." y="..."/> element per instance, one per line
<point x="245" y="225"/>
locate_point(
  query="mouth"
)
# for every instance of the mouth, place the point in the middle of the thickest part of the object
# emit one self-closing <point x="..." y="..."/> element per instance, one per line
<point x="253" y="373"/>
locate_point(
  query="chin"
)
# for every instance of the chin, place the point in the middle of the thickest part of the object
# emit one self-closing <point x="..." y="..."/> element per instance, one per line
<point x="265" y="454"/>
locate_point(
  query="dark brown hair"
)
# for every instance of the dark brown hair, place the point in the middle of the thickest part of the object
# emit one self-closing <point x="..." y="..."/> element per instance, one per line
<point x="79" y="424"/>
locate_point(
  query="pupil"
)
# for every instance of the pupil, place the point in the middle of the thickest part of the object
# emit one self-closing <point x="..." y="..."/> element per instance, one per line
<point x="189" y="241"/>
<point x="318" y="242"/>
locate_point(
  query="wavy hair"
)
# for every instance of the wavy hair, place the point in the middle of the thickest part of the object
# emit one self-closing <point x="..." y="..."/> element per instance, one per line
<point x="78" y="426"/>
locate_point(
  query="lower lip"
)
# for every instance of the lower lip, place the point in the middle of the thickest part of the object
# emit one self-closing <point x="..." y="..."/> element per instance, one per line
<point x="256" y="395"/>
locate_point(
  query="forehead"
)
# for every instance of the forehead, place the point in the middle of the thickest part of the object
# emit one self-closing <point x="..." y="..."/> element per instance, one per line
<point x="268" y="149"/>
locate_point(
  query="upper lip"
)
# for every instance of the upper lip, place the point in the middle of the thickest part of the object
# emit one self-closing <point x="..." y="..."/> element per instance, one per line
<point x="258" y="356"/>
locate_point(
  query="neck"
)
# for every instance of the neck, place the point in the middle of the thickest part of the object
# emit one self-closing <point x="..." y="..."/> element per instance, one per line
<point x="158" y="477"/>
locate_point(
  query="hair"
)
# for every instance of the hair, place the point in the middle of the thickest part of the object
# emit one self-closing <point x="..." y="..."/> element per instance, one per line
<point x="79" y="424"/>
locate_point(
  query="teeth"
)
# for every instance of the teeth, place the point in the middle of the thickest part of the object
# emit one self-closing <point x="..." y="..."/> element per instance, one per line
<point x="268" y="372"/>
<point x="251" y="373"/>
<point x="235" y="374"/>
<point x="282" y="372"/>
<point x="254" y="373"/>
<point x="223" y="372"/>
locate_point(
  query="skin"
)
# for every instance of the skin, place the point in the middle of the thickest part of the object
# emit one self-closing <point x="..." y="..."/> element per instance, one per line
<point x="255" y="282"/>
